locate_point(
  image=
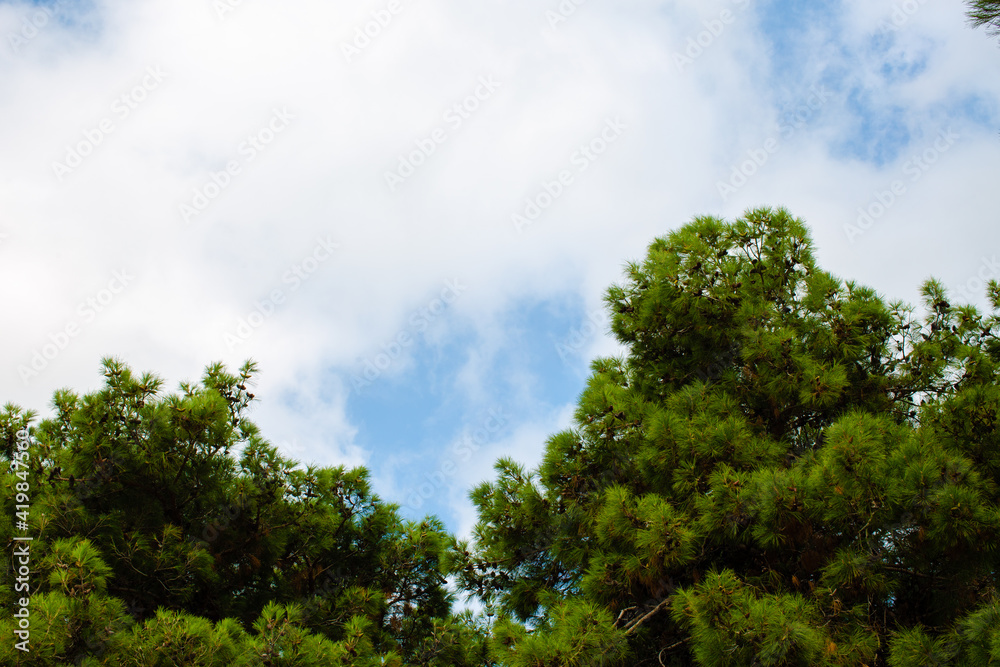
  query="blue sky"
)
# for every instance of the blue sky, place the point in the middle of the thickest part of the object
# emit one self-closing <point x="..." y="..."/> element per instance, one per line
<point x="409" y="213"/>
<point x="420" y="418"/>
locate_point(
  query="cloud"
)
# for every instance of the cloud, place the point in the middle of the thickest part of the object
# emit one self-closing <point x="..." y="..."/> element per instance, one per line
<point x="172" y="101"/>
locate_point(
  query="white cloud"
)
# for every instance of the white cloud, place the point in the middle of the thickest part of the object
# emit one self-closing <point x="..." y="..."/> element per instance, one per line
<point x="325" y="175"/>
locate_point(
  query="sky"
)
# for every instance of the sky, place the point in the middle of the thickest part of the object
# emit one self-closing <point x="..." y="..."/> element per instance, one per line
<point x="408" y="211"/>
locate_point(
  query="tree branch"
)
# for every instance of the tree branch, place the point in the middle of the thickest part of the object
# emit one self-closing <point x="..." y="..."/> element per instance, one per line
<point x="640" y="621"/>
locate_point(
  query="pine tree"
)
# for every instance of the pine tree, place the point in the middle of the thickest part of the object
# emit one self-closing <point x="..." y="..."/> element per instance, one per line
<point x="167" y="531"/>
<point x="985" y="13"/>
<point x="784" y="470"/>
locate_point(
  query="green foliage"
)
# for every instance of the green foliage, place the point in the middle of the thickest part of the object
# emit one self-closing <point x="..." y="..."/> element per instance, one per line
<point x="172" y="638"/>
<point x="167" y="531"/>
<point x="577" y="634"/>
<point x="985" y="13"/>
<point x="783" y="470"/>
<point x="730" y="624"/>
<point x="76" y="568"/>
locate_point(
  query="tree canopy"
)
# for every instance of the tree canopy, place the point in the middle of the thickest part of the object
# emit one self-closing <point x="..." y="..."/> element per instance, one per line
<point x="167" y="531"/>
<point x="782" y="469"/>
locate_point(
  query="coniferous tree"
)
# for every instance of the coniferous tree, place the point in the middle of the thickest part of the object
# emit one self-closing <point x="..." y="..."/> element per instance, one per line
<point x="167" y="531"/>
<point x="783" y="470"/>
<point x="985" y="13"/>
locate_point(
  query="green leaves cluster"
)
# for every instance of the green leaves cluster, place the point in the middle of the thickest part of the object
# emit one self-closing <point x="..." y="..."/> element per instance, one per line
<point x="784" y="470"/>
<point x="167" y="531"/>
<point x="985" y="13"/>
